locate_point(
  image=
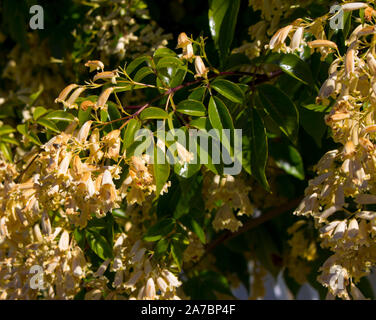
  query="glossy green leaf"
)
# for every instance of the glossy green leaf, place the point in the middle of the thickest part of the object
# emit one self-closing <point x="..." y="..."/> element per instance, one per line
<point x="38" y="112"/>
<point x="228" y="89"/>
<point x="136" y="63"/>
<point x="293" y="66"/>
<point x="287" y="158"/>
<point x="191" y="107"/>
<point x="98" y="244"/>
<point x="161" y="169"/>
<point x="129" y="132"/>
<point x="258" y="144"/>
<point x="281" y="109"/>
<point x="219" y="115"/>
<point x="48" y="124"/>
<point x="153" y="113"/>
<point x="163" y="52"/>
<point x="222" y="21"/>
<point x="143" y="73"/>
<point x="59" y="115"/>
<point x="198" y="94"/>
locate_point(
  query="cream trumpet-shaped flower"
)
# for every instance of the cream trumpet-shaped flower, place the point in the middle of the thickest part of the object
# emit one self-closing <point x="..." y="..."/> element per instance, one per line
<point x="365" y="199"/>
<point x="183" y="40"/>
<point x="354" y="6"/>
<point x="353" y="228"/>
<point x="107" y="75"/>
<point x="371" y="62"/>
<point x="172" y="280"/>
<point x="350" y="60"/>
<point x="70" y="103"/>
<point x="94" y="65"/>
<point x="64" y="241"/>
<point x="279" y="37"/>
<point x="297" y="39"/>
<point x="83" y="133"/>
<point x="64" y="94"/>
<point x="112" y="141"/>
<point x="95" y="146"/>
<point x="201" y="70"/>
<point x="64" y="164"/>
<point x="162" y="285"/>
<point x="135" y="277"/>
<point x="322" y="43"/>
<point x="186" y="44"/>
<point x="150" y="292"/>
<point x="225" y="219"/>
<point x="101" y="103"/>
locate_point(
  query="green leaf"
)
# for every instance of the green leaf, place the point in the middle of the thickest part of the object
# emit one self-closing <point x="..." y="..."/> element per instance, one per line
<point x="38" y="112"/>
<point x="98" y="244"/>
<point x="220" y="118"/>
<point x="6" y="151"/>
<point x="160" y="229"/>
<point x="313" y="123"/>
<point x="22" y="128"/>
<point x="153" y="113"/>
<point x="171" y="70"/>
<point x="59" y="115"/>
<point x="48" y="124"/>
<point x="129" y="132"/>
<point x="168" y="62"/>
<point x="34" y="97"/>
<point x="8" y="139"/>
<point x="120" y="213"/>
<point x="316" y="107"/>
<point x="293" y="66"/>
<point x="191" y="107"/>
<point x="136" y="63"/>
<point x="163" y="52"/>
<point x="219" y="115"/>
<point x="143" y="73"/>
<point x="258" y="146"/>
<point x="222" y="20"/>
<point x="6" y="129"/>
<point x="198" y="94"/>
<point x="288" y="159"/>
<point x="161" y="170"/>
<point x="228" y="89"/>
<point x="177" y="250"/>
<point x="281" y="109"/>
<point x="161" y="248"/>
<point x="194" y="226"/>
<point x="84" y="116"/>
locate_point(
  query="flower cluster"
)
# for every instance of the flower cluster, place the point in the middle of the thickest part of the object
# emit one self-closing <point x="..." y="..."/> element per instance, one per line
<point x="341" y="198"/>
<point x="226" y="195"/>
